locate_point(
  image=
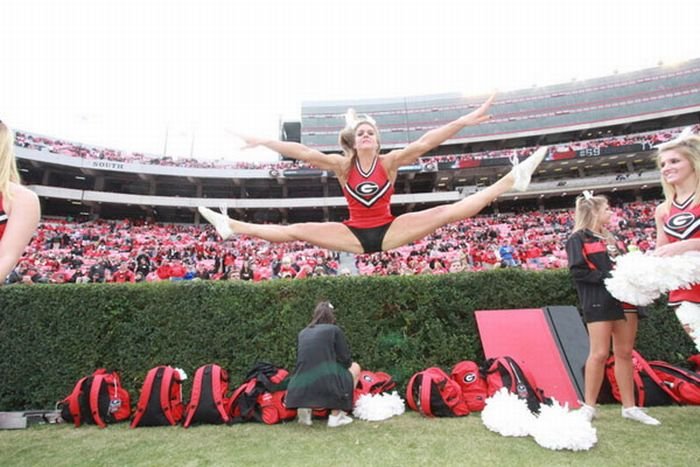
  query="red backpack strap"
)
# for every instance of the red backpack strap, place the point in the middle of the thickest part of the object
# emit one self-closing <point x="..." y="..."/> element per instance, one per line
<point x="684" y="383"/>
<point x="74" y="401"/>
<point x="145" y="395"/>
<point x="494" y="379"/>
<point x="218" y="377"/>
<point x="409" y="392"/>
<point x="169" y="378"/>
<point x="196" y="394"/>
<point x="644" y="366"/>
<point x="385" y="382"/>
<point x="425" y="388"/>
<point x="97" y="382"/>
<point x="235" y="397"/>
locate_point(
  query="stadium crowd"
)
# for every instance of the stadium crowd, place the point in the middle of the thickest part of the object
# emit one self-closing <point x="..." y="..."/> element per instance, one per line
<point x="55" y="146"/>
<point x="125" y="251"/>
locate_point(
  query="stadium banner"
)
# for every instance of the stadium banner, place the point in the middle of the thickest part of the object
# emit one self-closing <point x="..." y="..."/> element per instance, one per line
<point x="291" y="173"/>
<point x="104" y="164"/>
<point x="491" y="162"/>
<point x="447" y="165"/>
<point x="468" y="163"/>
<point x="410" y="168"/>
<point x="562" y="155"/>
<point x="612" y="150"/>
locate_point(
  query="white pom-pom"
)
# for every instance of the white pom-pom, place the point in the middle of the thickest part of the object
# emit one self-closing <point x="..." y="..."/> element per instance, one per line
<point x="558" y="428"/>
<point x="507" y="414"/>
<point x="181" y="372"/>
<point x="375" y="407"/>
<point x="689" y="315"/>
<point x="640" y="279"/>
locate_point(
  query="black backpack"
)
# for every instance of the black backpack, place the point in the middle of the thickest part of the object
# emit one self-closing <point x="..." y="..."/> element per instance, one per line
<point x="261" y="396"/>
<point x="97" y="399"/>
<point x="685" y="384"/>
<point x="160" y="402"/>
<point x="649" y="388"/>
<point x="506" y="372"/>
<point x="208" y="400"/>
<point x="433" y="393"/>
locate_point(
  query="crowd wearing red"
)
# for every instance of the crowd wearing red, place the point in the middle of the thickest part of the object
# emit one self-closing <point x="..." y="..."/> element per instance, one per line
<point x="126" y="251"/>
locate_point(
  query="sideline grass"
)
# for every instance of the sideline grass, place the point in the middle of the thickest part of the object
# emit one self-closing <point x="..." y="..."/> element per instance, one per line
<point x="401" y="441"/>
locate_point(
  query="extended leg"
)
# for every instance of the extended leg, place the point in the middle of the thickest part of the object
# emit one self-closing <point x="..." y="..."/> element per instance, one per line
<point x="330" y="235"/>
<point x="415" y="225"/>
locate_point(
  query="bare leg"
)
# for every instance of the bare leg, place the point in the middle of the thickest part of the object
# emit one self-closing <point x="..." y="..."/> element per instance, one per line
<point x="599" y="334"/>
<point x="412" y="226"/>
<point x="624" y="334"/>
<point x="331" y="235"/>
<point x="355" y="372"/>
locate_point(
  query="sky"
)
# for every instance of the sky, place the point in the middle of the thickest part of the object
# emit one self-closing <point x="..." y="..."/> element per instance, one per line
<point x="176" y="77"/>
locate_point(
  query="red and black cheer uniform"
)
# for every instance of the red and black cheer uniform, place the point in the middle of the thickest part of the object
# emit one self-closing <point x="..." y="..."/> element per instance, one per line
<point x="3" y="219"/>
<point x="369" y="198"/>
<point x="683" y="223"/>
<point x="590" y="264"/>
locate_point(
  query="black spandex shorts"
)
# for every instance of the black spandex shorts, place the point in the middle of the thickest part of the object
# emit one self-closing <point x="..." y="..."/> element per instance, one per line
<point x="371" y="239"/>
<point x="599" y="314"/>
<point x="610" y="315"/>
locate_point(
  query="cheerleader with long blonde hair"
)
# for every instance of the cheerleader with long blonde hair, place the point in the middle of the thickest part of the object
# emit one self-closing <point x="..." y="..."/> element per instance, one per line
<point x="19" y="207"/>
<point x="678" y="220"/>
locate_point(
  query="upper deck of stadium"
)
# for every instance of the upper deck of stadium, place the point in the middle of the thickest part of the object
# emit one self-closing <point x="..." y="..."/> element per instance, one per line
<point x="651" y="93"/>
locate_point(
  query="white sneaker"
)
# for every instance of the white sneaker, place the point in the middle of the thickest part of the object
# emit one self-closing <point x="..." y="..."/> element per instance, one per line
<point x="587" y="412"/>
<point x="522" y="171"/>
<point x="338" y="420"/>
<point x="219" y="221"/>
<point x="639" y="415"/>
<point x="304" y="416"/>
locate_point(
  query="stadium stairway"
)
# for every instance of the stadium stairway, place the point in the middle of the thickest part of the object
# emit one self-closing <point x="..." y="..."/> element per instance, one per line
<point x="347" y="260"/>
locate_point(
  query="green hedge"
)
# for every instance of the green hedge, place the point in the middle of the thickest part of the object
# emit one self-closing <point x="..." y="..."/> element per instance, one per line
<point x="50" y="336"/>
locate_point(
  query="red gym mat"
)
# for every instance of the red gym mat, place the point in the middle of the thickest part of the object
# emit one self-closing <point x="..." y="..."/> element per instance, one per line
<point x="526" y="335"/>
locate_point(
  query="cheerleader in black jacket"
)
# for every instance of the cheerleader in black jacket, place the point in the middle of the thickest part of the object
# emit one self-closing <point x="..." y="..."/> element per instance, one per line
<point x="591" y="250"/>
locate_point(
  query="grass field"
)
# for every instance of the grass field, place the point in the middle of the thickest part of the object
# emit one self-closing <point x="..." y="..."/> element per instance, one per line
<point x="409" y="439"/>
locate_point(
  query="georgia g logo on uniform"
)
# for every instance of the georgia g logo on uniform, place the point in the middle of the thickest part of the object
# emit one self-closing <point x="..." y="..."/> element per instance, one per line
<point x="367" y="188"/>
<point x="681" y="220"/>
<point x="469" y="378"/>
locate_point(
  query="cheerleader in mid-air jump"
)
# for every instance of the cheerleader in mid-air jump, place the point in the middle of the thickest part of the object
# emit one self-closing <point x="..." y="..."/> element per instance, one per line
<point x="367" y="180"/>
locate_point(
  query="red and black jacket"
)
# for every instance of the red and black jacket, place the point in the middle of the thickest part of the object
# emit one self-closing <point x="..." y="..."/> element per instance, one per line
<point x="590" y="264"/>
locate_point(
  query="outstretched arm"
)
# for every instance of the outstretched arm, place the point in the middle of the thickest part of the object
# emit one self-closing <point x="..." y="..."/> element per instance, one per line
<point x="297" y="151"/>
<point x="678" y="248"/>
<point x="23" y="219"/>
<point x="436" y="137"/>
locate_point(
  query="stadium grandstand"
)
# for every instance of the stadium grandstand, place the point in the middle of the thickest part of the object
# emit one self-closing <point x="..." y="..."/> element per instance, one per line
<point x="106" y="203"/>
